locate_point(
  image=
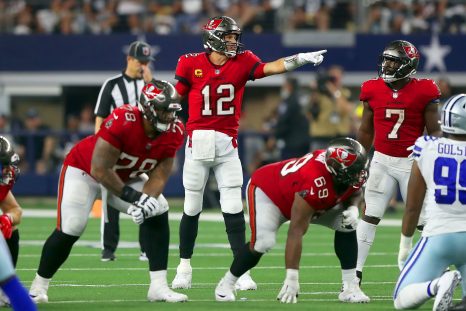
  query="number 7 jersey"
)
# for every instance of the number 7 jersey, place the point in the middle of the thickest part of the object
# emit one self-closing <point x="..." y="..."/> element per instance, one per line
<point x="442" y="163"/>
<point x="308" y="176"/>
<point x="215" y="93"/>
<point x="398" y="115"/>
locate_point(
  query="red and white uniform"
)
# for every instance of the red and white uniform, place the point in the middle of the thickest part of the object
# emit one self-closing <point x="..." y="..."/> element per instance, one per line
<point x="271" y="191"/>
<point x="4" y="189"/>
<point x="398" y="122"/>
<point x="398" y="116"/>
<point x="215" y="93"/>
<point x="123" y="129"/>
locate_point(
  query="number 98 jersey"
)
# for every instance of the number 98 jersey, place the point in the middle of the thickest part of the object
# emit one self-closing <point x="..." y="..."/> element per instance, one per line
<point x="442" y="162"/>
<point x="308" y="176"/>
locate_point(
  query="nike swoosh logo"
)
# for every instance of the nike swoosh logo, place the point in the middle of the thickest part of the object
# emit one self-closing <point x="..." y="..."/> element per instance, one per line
<point x="115" y="116"/>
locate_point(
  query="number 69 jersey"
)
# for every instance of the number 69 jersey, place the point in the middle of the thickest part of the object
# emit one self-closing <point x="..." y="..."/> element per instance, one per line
<point x="442" y="162"/>
<point x="307" y="176"/>
<point x="398" y="115"/>
<point x="123" y="129"/>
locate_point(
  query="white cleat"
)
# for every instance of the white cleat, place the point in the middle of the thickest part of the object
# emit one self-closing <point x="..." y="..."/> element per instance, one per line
<point x="183" y="278"/>
<point x="38" y="293"/>
<point x="445" y="287"/>
<point x="352" y="293"/>
<point x="224" y="291"/>
<point x="245" y="282"/>
<point x="164" y="293"/>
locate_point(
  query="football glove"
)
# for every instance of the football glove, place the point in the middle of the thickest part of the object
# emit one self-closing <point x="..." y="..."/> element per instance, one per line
<point x="290" y="289"/>
<point x="149" y="205"/>
<point x="298" y="60"/>
<point x="6" y="226"/>
<point x="406" y="243"/>
<point x="350" y="217"/>
<point x="136" y="214"/>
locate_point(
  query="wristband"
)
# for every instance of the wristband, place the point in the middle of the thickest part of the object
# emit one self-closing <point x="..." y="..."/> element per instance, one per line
<point x="130" y="195"/>
<point x="406" y="242"/>
<point x="292" y="62"/>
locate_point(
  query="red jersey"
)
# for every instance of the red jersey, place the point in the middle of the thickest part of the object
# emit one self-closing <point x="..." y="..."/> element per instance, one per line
<point x="215" y="93"/>
<point x="398" y="116"/>
<point x="4" y="189"/>
<point x="307" y="176"/>
<point x="124" y="130"/>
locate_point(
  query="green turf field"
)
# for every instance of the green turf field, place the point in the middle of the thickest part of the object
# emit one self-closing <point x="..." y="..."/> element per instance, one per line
<point x="86" y="283"/>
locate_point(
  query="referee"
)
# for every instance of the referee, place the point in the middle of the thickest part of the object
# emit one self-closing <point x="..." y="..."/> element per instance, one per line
<point x="124" y="88"/>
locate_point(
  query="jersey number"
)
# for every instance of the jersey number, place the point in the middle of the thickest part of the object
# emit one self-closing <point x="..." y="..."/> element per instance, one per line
<point x="401" y="117"/>
<point x="446" y="172"/>
<point x="146" y="165"/>
<point x="221" y="102"/>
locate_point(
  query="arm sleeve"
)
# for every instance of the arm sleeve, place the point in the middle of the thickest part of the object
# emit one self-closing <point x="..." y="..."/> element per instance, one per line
<point x="104" y="100"/>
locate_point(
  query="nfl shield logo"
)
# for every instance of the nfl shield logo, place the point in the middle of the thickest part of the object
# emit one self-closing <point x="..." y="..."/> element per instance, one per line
<point x="217" y="71"/>
<point x="395" y="95"/>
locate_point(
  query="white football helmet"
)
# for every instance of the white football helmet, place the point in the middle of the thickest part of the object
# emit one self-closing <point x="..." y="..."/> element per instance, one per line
<point x="454" y="115"/>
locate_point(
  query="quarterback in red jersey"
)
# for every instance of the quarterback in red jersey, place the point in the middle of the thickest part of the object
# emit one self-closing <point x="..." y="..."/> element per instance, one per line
<point x="397" y="109"/>
<point x="11" y="211"/>
<point x="131" y="142"/>
<point x="322" y="187"/>
<point x="214" y="83"/>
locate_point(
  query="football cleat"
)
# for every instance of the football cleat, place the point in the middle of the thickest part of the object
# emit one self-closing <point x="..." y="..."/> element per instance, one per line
<point x="445" y="287"/>
<point x="225" y="291"/>
<point x="183" y="278"/>
<point x="352" y="293"/>
<point x="158" y="292"/>
<point x="38" y="290"/>
<point x="245" y="282"/>
<point x="143" y="256"/>
<point x="107" y="255"/>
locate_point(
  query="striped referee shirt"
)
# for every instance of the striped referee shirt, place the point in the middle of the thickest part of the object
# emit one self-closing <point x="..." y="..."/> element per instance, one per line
<point x="117" y="91"/>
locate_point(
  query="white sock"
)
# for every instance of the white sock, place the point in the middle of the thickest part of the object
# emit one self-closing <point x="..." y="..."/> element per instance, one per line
<point x="185" y="263"/>
<point x="230" y="278"/>
<point x="42" y="282"/>
<point x="159" y="277"/>
<point x="348" y="275"/>
<point x="365" y="234"/>
<point x="414" y="295"/>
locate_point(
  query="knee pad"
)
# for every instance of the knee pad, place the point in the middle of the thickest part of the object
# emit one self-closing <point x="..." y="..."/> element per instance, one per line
<point x="230" y="200"/>
<point x="192" y="202"/>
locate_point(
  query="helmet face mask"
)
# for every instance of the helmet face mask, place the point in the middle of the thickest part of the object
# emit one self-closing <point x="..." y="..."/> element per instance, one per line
<point x="346" y="159"/>
<point x="453" y="119"/>
<point x="159" y="103"/>
<point x="216" y="36"/>
<point x="399" y="60"/>
<point x="9" y="160"/>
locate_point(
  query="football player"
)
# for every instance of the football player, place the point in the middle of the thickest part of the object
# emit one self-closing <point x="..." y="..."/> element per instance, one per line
<point x="11" y="211"/>
<point x="438" y="178"/>
<point x="214" y="83"/>
<point x="397" y="109"/>
<point x="322" y="187"/>
<point x="131" y="142"/>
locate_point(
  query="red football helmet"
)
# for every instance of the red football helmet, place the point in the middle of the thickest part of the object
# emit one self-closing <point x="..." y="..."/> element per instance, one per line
<point x="346" y="159"/>
<point x="159" y="103"/>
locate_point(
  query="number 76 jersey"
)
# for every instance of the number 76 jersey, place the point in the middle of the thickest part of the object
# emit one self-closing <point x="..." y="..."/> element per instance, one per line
<point x="308" y="176"/>
<point x="442" y="162"/>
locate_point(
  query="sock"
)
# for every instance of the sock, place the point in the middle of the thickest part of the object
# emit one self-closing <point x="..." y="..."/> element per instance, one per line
<point x="236" y="231"/>
<point x="229" y="278"/>
<point x="245" y="260"/>
<point x="185" y="263"/>
<point x="18" y="295"/>
<point x="188" y="234"/>
<point x="158" y="277"/>
<point x="414" y="295"/>
<point x="56" y="250"/>
<point x="365" y="235"/>
<point x="348" y="275"/>
<point x="13" y="245"/>
<point x="155" y="241"/>
<point x="346" y="249"/>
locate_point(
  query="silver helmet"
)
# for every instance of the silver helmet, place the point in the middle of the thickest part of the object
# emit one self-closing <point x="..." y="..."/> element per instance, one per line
<point x="454" y="115"/>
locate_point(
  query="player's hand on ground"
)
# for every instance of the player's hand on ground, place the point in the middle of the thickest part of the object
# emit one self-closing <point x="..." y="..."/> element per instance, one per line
<point x="350" y="218"/>
<point x="136" y="214"/>
<point x="290" y="289"/>
<point x="6" y="226"/>
<point x="406" y="243"/>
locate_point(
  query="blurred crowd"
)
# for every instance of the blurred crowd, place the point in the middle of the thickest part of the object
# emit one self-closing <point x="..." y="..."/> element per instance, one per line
<point x="186" y="16"/>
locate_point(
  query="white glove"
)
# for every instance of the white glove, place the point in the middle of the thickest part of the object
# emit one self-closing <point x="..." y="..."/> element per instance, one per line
<point x="136" y="213"/>
<point x="149" y="205"/>
<point x="350" y="218"/>
<point x="406" y="243"/>
<point x="300" y="59"/>
<point x="290" y="289"/>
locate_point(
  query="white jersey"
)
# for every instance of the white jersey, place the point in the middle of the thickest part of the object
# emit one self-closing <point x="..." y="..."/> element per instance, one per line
<point x="442" y="162"/>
